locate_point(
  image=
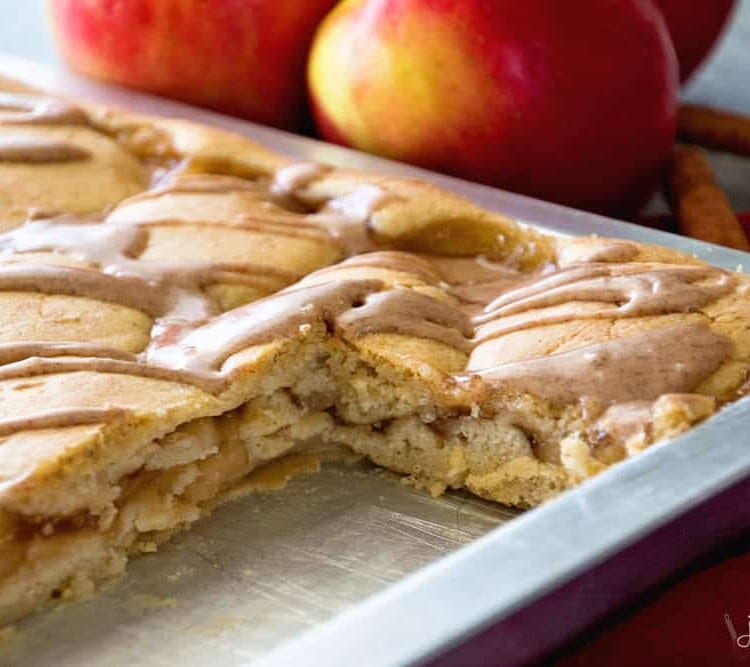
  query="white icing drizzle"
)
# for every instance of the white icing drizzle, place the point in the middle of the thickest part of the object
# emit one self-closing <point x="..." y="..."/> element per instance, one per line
<point x="288" y="180"/>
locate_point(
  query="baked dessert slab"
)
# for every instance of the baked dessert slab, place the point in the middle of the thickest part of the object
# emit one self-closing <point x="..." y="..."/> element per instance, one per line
<point x="181" y="306"/>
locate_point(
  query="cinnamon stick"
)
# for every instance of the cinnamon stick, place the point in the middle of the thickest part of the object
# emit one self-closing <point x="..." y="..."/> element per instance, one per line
<point x="700" y="206"/>
<point x="713" y="128"/>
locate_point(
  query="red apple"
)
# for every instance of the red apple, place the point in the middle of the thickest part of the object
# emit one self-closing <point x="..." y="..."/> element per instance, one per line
<point x="695" y="25"/>
<point x="573" y="102"/>
<point x="243" y="57"/>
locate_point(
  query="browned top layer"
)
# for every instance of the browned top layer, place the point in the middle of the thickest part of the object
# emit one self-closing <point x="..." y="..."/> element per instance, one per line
<point x="220" y="262"/>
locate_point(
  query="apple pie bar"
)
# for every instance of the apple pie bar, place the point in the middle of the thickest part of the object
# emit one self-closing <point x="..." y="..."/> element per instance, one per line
<point x="180" y="307"/>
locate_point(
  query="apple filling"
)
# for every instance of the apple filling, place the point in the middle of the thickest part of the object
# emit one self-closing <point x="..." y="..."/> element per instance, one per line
<point x="184" y="474"/>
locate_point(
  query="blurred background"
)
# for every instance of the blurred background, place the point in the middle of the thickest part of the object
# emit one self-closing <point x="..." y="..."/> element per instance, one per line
<point x="23" y="31"/>
<point x="725" y="75"/>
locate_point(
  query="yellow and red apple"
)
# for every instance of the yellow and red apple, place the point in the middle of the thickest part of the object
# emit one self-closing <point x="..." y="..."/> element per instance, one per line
<point x="573" y="102"/>
<point x="243" y="57"/>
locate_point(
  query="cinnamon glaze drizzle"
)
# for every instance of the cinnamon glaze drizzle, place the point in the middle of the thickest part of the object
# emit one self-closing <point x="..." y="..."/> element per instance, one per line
<point x="21" y="109"/>
<point x="484" y="301"/>
<point x="39" y="150"/>
<point x="33" y="110"/>
<point x="61" y="418"/>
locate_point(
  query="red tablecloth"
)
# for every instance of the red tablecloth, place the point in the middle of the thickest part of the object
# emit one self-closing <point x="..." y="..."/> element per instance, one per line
<point x="702" y="620"/>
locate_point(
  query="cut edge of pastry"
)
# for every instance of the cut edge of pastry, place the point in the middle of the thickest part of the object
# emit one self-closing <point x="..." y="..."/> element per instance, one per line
<point x="319" y="408"/>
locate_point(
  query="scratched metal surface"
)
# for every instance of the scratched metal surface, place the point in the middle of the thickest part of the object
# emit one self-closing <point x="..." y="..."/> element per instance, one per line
<point x="258" y="571"/>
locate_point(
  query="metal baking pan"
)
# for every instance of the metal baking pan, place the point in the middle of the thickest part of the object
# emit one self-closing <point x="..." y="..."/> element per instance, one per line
<point x="350" y="567"/>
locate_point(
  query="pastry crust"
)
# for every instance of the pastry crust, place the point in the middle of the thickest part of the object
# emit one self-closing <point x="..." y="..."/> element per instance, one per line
<point x="181" y="306"/>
